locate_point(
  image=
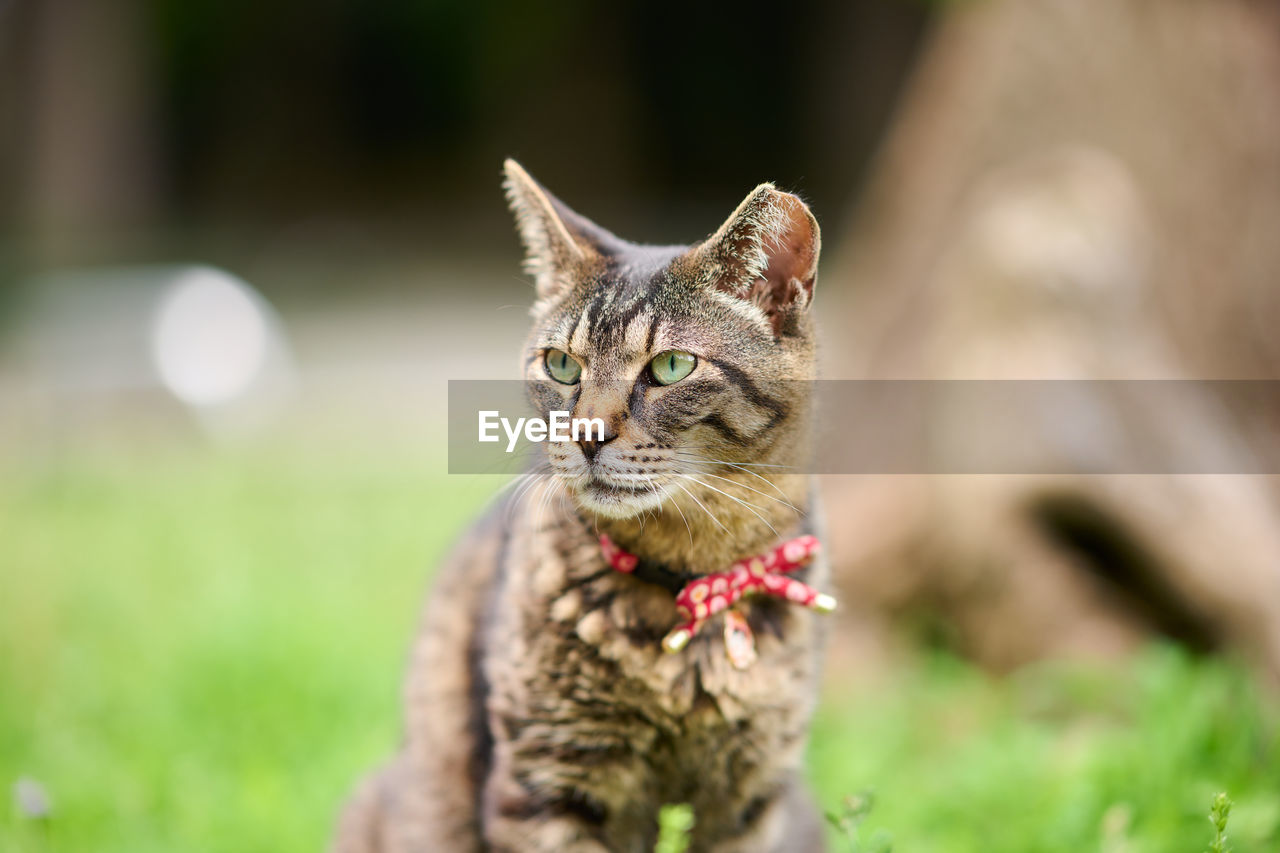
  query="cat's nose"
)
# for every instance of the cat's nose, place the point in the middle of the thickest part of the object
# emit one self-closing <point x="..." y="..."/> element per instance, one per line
<point x="591" y="446"/>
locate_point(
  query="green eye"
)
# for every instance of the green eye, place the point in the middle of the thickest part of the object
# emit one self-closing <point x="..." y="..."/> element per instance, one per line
<point x="562" y="367"/>
<point x="672" y="366"/>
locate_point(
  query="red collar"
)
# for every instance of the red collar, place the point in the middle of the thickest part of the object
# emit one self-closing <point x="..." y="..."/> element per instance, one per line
<point x="704" y="597"/>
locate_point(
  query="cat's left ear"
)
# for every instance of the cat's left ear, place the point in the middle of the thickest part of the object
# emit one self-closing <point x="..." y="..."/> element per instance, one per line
<point x="558" y="242"/>
<point x="766" y="253"/>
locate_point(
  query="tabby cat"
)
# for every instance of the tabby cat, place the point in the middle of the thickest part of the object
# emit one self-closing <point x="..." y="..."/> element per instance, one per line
<point x="543" y="711"/>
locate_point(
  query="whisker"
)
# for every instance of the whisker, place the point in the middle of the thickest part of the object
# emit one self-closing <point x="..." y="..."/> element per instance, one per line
<point x="535" y="500"/>
<point x="751" y="508"/>
<point x="544" y="500"/>
<point x="682" y="518"/>
<point x="688" y="455"/>
<point x="529" y="481"/>
<point x="709" y="513"/>
<point x="521" y="479"/>
<point x="738" y="466"/>
<point x="766" y="495"/>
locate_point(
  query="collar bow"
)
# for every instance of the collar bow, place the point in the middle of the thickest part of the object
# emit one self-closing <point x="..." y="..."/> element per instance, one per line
<point x="702" y="598"/>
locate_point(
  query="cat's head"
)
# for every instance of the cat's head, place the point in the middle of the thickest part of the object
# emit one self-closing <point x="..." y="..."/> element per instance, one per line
<point x="696" y="358"/>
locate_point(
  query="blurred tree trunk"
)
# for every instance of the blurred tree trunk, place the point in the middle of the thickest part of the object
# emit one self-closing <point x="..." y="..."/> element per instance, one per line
<point x="87" y="148"/>
<point x="1083" y="189"/>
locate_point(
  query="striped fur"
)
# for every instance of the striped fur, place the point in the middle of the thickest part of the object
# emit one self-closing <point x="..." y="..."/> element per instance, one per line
<point x="542" y="714"/>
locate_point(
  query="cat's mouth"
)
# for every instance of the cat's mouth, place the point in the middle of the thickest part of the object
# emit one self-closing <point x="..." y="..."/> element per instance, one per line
<point x="602" y="489"/>
<point x="618" y="500"/>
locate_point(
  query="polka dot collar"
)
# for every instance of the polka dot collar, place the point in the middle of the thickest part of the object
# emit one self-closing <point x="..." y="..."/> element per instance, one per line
<point x="702" y="598"/>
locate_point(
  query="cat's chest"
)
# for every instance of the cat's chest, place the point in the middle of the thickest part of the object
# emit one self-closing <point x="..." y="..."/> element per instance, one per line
<point x="613" y="629"/>
<point x="591" y="636"/>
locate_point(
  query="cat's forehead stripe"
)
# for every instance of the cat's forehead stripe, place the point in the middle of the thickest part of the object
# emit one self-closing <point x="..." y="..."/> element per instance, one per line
<point x="613" y="320"/>
<point x="602" y="317"/>
<point x="654" y="322"/>
<point x="637" y="337"/>
<point x="581" y="334"/>
<point x="615" y="327"/>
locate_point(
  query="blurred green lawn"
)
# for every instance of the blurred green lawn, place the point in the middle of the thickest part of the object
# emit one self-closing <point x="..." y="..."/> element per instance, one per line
<point x="201" y="650"/>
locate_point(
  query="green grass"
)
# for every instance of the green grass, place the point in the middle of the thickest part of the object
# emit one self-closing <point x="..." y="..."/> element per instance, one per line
<point x="199" y="651"/>
<point x="1058" y="757"/>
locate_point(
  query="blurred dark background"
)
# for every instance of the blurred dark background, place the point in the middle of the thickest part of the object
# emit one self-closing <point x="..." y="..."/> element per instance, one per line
<point x="341" y="160"/>
<point x="138" y="129"/>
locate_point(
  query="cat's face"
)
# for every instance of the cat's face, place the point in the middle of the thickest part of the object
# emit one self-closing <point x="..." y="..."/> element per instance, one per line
<point x="694" y="357"/>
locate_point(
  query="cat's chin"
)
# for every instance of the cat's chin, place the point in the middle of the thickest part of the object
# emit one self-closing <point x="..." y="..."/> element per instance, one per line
<point x="615" y="501"/>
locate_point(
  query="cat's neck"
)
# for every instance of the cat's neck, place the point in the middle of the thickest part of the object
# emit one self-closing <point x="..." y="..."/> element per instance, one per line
<point x="707" y="529"/>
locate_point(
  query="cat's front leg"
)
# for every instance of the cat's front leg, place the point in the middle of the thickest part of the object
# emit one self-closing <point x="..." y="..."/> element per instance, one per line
<point x="518" y="819"/>
<point x="542" y="835"/>
<point x="786" y="822"/>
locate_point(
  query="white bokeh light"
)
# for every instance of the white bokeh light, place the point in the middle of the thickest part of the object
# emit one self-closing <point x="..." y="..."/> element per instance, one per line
<point x="211" y="337"/>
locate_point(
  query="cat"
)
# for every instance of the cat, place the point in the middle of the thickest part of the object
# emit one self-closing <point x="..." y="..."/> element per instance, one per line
<point x="545" y="712"/>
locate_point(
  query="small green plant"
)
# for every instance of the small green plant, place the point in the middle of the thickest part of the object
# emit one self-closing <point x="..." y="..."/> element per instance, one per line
<point x="1219" y="812"/>
<point x="848" y="822"/>
<point x="674" y="825"/>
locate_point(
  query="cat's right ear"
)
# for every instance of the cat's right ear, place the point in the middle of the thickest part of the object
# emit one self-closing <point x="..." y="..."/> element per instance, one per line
<point x="766" y="253"/>
<point x="558" y="242"/>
